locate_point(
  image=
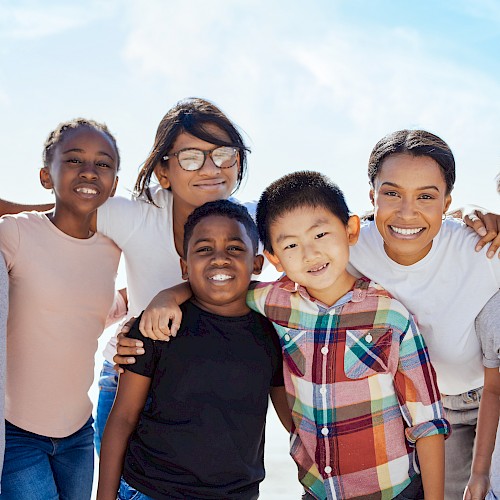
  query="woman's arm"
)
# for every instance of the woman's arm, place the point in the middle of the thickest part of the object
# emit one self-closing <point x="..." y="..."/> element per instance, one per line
<point x="10" y="207"/>
<point x="129" y="402"/>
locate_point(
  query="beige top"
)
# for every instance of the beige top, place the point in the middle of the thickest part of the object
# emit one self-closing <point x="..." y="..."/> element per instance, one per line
<point x="60" y="291"/>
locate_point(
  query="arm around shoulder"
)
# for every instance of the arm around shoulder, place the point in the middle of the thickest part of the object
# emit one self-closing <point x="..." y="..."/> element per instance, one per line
<point x="10" y="207"/>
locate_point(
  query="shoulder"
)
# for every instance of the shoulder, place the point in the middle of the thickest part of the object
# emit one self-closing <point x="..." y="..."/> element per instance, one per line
<point x="373" y="302"/>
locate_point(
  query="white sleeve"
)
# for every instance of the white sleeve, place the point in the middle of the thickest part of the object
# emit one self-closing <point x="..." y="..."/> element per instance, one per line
<point x="488" y="332"/>
<point x="118" y="218"/>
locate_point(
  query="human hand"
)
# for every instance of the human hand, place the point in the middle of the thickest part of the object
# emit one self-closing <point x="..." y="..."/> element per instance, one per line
<point x="486" y="225"/>
<point x="126" y="348"/>
<point x="477" y="487"/>
<point x="162" y="318"/>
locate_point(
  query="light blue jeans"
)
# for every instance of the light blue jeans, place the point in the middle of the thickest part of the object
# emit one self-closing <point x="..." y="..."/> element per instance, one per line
<point x="39" y="467"/>
<point x="126" y="492"/>
<point x="108" y="384"/>
<point x="461" y="411"/>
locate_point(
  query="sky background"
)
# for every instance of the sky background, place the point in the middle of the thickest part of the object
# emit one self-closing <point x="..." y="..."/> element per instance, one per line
<point x="313" y="85"/>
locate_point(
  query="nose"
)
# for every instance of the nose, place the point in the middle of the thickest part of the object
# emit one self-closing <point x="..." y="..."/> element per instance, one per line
<point x="220" y="258"/>
<point x="407" y="208"/>
<point x="309" y="252"/>
<point x="88" y="170"/>
<point x="209" y="168"/>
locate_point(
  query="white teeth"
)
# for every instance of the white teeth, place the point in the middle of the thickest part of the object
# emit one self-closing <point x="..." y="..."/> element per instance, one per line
<point x="319" y="268"/>
<point x="85" y="190"/>
<point x="406" y="232"/>
<point x="220" y="277"/>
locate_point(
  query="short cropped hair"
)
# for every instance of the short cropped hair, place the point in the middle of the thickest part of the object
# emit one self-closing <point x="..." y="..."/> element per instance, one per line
<point x="414" y="143"/>
<point x="222" y="208"/>
<point x="296" y="190"/>
<point x="58" y="134"/>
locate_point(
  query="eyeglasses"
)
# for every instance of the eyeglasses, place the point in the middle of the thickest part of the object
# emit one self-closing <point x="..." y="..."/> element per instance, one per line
<point x="193" y="159"/>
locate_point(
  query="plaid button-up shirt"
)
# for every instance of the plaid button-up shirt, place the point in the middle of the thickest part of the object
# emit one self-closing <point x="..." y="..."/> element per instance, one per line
<point x="360" y="386"/>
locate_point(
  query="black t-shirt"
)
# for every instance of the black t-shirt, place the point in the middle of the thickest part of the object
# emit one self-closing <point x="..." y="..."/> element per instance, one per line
<point x="201" y="434"/>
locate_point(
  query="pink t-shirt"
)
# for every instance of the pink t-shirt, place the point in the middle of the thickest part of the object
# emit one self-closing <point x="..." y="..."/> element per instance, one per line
<point x="60" y="291"/>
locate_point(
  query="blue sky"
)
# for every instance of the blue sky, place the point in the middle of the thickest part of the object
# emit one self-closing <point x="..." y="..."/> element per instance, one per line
<point x="313" y="85"/>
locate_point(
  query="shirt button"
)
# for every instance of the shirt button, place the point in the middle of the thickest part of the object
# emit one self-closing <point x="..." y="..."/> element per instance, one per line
<point x="369" y="338"/>
<point x="328" y="469"/>
<point x="322" y="390"/>
<point x="325" y="431"/>
<point x="324" y="350"/>
<point x="287" y="337"/>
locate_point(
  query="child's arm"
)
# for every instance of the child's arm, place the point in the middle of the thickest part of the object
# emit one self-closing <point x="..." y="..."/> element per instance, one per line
<point x="430" y="451"/>
<point x="278" y="398"/>
<point x="129" y="402"/>
<point x="487" y="424"/>
<point x="164" y="308"/>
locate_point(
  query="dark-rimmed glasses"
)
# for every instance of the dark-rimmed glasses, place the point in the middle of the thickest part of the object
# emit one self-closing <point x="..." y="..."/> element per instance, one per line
<point x="193" y="159"/>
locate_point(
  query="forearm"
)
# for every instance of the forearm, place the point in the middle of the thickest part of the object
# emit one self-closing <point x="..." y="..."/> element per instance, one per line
<point x="430" y="451"/>
<point x="487" y="424"/>
<point x="9" y="207"/>
<point x="278" y="398"/>
<point x="114" y="444"/>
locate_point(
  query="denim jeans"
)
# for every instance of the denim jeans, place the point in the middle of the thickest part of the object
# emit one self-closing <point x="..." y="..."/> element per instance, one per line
<point x="108" y="383"/>
<point x="126" y="492"/>
<point x="461" y="411"/>
<point x="38" y="467"/>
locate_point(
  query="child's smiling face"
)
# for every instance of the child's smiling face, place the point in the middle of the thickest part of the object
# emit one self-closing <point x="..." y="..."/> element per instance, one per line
<point x="219" y="264"/>
<point x="82" y="172"/>
<point x="410" y="197"/>
<point x="311" y="245"/>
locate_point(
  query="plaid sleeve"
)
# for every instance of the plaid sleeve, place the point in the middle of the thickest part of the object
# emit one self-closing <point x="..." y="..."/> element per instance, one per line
<point x="257" y="296"/>
<point x="416" y="387"/>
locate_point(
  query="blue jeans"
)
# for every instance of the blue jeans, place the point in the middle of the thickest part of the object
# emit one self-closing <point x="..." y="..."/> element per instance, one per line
<point x="37" y="467"/>
<point x="108" y="383"/>
<point x="126" y="492"/>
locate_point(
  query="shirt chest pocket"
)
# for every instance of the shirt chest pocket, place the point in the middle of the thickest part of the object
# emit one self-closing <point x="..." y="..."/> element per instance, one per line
<point x="367" y="352"/>
<point x="295" y="345"/>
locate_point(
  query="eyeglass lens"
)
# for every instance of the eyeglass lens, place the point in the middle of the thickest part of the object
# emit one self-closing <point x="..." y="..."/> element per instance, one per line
<point x="193" y="159"/>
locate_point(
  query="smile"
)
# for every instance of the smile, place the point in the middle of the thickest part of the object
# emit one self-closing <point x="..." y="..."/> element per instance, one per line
<point x="318" y="269"/>
<point x="220" y="277"/>
<point x="87" y="190"/>
<point x="406" y="232"/>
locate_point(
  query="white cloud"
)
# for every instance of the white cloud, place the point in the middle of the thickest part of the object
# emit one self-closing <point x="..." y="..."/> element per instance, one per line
<point x="29" y="19"/>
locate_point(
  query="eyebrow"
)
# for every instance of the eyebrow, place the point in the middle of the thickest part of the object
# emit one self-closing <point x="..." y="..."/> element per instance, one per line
<point x="317" y="222"/>
<point x="77" y="150"/>
<point x="210" y="240"/>
<point x="422" y="188"/>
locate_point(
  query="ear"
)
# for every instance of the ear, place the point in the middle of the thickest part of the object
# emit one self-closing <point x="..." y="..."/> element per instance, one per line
<point x="161" y="172"/>
<point x="113" y="191"/>
<point x="45" y="178"/>
<point x="258" y="262"/>
<point x="274" y="261"/>
<point x="372" y="196"/>
<point x="184" y="270"/>
<point x="353" y="228"/>
<point x="447" y="203"/>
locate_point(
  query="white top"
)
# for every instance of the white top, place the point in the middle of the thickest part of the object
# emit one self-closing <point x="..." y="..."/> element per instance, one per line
<point x="445" y="291"/>
<point x="60" y="291"/>
<point x="488" y="332"/>
<point x="145" y="234"/>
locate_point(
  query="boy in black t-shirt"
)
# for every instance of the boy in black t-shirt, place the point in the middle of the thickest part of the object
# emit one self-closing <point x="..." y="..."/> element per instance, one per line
<point x="201" y="434"/>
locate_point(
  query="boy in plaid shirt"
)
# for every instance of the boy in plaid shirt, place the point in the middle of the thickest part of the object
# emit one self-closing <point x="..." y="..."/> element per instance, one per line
<point x="367" y="414"/>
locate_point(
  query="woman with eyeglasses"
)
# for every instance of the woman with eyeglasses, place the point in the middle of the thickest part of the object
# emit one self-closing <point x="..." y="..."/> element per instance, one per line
<point x="198" y="156"/>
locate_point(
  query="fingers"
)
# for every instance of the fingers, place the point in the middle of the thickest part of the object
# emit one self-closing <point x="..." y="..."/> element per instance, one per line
<point x="475" y="222"/>
<point x="122" y="360"/>
<point x="126" y="327"/>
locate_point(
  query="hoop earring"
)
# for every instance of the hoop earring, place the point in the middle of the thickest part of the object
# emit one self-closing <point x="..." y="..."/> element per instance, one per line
<point x="443" y="217"/>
